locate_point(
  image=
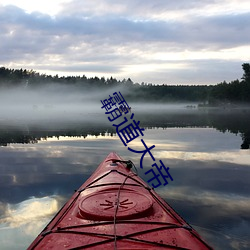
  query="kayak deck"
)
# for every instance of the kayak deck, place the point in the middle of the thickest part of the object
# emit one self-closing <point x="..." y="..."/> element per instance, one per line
<point x="115" y="209"/>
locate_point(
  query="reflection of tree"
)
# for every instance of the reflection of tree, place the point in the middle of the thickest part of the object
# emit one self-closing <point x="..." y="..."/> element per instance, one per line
<point x="20" y="135"/>
<point x="16" y="137"/>
<point x="246" y="141"/>
<point x="237" y="122"/>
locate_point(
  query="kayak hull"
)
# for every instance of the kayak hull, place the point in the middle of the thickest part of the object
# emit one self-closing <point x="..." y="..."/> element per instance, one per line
<point x="116" y="209"/>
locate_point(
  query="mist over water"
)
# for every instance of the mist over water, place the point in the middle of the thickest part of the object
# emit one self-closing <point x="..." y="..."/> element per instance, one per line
<point x="58" y="107"/>
<point x="51" y="103"/>
<point x="57" y="103"/>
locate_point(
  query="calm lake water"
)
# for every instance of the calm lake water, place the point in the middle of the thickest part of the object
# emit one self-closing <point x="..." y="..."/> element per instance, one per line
<point x="45" y="158"/>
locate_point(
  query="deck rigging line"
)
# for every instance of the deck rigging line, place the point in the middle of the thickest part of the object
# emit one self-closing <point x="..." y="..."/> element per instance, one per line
<point x="117" y="206"/>
<point x="115" y="237"/>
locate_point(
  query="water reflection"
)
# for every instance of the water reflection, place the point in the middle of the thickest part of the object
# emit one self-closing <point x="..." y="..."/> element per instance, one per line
<point x="29" y="210"/>
<point x="235" y="121"/>
<point x="20" y="222"/>
<point x="211" y="175"/>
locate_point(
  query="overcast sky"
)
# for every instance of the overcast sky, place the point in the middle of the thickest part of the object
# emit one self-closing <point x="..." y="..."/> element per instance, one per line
<point x="157" y="41"/>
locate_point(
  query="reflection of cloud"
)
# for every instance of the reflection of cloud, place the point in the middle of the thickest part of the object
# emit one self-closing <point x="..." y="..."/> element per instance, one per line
<point x="2" y="209"/>
<point x="25" y="220"/>
<point x="229" y="203"/>
<point x="234" y="156"/>
<point x="29" y="213"/>
<point x="221" y="218"/>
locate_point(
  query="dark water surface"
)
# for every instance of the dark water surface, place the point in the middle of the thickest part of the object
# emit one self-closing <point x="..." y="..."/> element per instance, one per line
<point x="43" y="161"/>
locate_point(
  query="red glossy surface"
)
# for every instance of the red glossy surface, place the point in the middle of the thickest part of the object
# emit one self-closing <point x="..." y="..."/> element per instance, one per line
<point x="142" y="219"/>
<point x="102" y="205"/>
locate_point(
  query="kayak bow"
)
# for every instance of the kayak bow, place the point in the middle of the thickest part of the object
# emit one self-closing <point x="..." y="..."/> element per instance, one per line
<point x="116" y="209"/>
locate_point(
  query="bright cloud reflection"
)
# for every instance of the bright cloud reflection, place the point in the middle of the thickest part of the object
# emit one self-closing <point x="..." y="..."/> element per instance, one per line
<point x="29" y="214"/>
<point x="22" y="222"/>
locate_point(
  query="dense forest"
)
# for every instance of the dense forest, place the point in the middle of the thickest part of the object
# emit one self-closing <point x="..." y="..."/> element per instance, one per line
<point x="234" y="92"/>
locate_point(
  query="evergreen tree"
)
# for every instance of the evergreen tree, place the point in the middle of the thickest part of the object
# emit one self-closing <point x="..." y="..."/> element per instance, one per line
<point x="246" y="69"/>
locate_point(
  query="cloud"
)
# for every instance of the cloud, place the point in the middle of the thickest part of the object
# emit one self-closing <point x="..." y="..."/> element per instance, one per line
<point x="116" y="30"/>
<point x="115" y="38"/>
<point x="141" y="10"/>
<point x="46" y="32"/>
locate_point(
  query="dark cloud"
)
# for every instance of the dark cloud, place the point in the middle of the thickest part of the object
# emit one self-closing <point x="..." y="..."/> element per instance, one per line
<point x="205" y="30"/>
<point x="225" y="31"/>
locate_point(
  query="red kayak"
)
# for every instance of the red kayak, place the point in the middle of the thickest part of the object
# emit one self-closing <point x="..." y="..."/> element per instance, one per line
<point x="115" y="209"/>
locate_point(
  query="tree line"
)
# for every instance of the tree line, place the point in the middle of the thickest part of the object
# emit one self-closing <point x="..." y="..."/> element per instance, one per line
<point x="236" y="91"/>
